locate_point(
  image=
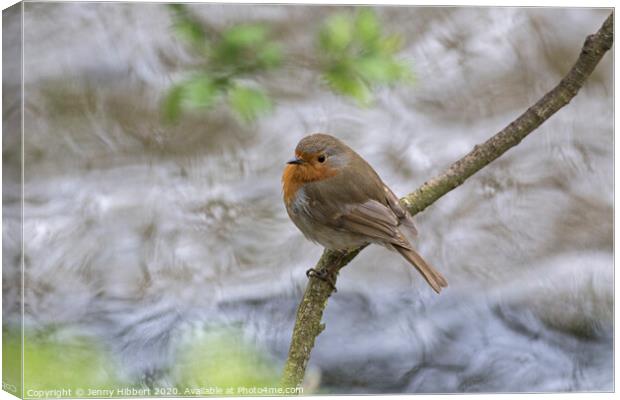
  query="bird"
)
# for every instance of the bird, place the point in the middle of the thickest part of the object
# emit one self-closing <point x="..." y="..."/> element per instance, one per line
<point x="336" y="199"/>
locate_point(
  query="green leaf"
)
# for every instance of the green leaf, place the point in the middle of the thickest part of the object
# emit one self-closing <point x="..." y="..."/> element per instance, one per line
<point x="200" y="91"/>
<point x="336" y="34"/>
<point x="191" y="32"/>
<point x="186" y="27"/>
<point x="345" y="82"/>
<point x="377" y="70"/>
<point x="367" y="28"/>
<point x="240" y="48"/>
<point x="382" y="70"/>
<point x="245" y="35"/>
<point x="270" y="55"/>
<point x="356" y="56"/>
<point x="391" y="44"/>
<point x="173" y="103"/>
<point x="249" y="103"/>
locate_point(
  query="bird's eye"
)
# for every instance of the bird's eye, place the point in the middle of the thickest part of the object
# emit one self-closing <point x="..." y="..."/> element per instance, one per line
<point x="321" y="158"/>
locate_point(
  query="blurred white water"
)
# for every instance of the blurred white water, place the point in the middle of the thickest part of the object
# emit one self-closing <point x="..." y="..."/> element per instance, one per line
<point x="136" y="230"/>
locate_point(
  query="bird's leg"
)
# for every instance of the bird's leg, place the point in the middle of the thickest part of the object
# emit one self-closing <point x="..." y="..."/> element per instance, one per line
<point x="330" y="271"/>
<point x="323" y="274"/>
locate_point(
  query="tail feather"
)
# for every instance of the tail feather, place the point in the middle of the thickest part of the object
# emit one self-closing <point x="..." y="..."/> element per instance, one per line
<point x="432" y="276"/>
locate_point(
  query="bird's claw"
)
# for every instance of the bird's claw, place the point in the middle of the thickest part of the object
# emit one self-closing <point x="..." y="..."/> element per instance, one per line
<point x="323" y="275"/>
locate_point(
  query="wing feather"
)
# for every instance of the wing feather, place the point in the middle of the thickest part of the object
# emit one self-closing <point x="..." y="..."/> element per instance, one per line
<point x="374" y="220"/>
<point x="402" y="214"/>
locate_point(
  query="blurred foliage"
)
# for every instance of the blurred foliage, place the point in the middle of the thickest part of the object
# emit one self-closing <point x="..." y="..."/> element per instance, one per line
<point x="229" y="58"/>
<point x="223" y="359"/>
<point x="215" y="359"/>
<point x="11" y="359"/>
<point x="52" y="362"/>
<point x="356" y="57"/>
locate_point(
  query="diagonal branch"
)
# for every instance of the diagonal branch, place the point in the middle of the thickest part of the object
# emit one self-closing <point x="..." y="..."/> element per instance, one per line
<point x="308" y="322"/>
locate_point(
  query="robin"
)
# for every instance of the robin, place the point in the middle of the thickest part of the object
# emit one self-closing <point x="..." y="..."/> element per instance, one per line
<point x="337" y="199"/>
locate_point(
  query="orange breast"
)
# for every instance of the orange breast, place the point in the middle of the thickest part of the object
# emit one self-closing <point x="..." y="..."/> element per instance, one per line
<point x="290" y="185"/>
<point x="295" y="176"/>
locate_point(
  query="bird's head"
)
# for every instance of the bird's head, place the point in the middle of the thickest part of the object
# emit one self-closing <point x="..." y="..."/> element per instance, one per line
<point x="317" y="157"/>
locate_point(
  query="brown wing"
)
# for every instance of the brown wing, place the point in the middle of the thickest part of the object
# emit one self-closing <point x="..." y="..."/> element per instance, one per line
<point x="379" y="222"/>
<point x="374" y="220"/>
<point x="402" y="214"/>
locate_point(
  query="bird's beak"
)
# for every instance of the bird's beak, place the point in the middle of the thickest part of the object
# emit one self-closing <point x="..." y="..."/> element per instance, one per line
<point x="295" y="160"/>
